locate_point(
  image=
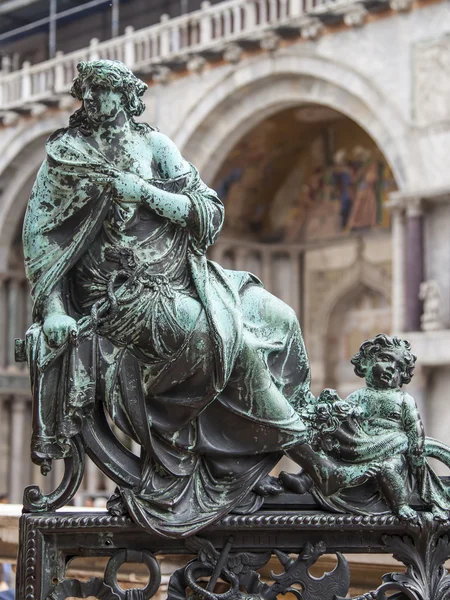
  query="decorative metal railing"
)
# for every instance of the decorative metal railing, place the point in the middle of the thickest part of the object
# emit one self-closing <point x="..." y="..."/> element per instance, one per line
<point x="205" y="29"/>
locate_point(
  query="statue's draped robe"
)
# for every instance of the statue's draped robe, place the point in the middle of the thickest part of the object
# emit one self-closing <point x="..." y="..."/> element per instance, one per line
<point x="199" y="365"/>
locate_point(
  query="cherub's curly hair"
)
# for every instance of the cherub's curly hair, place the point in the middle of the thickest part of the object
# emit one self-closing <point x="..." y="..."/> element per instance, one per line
<point x="117" y="77"/>
<point x="371" y="348"/>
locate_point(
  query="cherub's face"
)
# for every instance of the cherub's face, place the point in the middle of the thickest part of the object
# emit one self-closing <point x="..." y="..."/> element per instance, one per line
<point x="384" y="370"/>
<point x="100" y="101"/>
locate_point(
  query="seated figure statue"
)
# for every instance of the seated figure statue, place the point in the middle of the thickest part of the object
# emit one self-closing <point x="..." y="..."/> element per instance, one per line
<point x="203" y="368"/>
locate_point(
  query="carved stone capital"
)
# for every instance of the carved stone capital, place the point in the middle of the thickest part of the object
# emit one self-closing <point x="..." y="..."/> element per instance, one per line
<point x="270" y="42"/>
<point x="311" y="29"/>
<point x="414" y="207"/>
<point x="401" y="5"/>
<point x="196" y="64"/>
<point x="161" y="74"/>
<point x="356" y="16"/>
<point x="232" y="53"/>
<point x="9" y="117"/>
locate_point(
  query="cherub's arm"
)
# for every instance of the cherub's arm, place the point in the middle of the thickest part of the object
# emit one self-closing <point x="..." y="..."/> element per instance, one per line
<point x="413" y="426"/>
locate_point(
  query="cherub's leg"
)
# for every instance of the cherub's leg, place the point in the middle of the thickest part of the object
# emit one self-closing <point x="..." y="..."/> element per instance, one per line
<point x="327" y="474"/>
<point x="392" y="484"/>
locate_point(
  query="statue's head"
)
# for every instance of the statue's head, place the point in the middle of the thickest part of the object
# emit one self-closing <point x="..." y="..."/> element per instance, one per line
<point x="385" y="362"/>
<point x="105" y="87"/>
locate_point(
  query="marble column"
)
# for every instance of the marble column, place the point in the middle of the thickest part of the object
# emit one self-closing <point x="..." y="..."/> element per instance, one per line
<point x="295" y="281"/>
<point x="398" y="268"/>
<point x="414" y="263"/>
<point x="3" y="322"/>
<point x="13" y="319"/>
<point x="17" y="455"/>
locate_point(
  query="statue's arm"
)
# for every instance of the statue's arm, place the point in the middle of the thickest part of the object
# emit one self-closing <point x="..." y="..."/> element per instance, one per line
<point x="177" y="208"/>
<point x="132" y="189"/>
<point x="413" y="426"/>
<point x="58" y="325"/>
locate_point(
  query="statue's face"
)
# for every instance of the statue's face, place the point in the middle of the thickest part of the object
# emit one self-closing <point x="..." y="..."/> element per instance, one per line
<point x="100" y="102"/>
<point x="384" y="370"/>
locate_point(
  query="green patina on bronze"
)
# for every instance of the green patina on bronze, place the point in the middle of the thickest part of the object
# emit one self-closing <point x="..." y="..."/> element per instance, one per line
<point x="199" y="365"/>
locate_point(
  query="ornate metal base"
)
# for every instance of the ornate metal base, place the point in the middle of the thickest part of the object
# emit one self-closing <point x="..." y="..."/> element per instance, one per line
<point x="234" y="549"/>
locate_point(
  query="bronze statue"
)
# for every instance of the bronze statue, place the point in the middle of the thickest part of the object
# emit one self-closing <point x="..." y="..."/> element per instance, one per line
<point x="199" y="365"/>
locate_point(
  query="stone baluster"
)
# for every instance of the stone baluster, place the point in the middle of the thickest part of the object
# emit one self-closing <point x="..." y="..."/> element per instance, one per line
<point x="227" y="23"/>
<point x="17" y="447"/>
<point x="93" y="49"/>
<point x="205" y="24"/>
<point x="414" y="263"/>
<point x="218" y="31"/>
<point x="250" y="15"/>
<point x="6" y="65"/>
<point x="164" y="36"/>
<point x="129" y="54"/>
<point x="295" y="8"/>
<point x="237" y="19"/>
<point x="262" y="12"/>
<point x="398" y="269"/>
<point x="273" y="11"/>
<point x="175" y="37"/>
<point x="58" y="82"/>
<point x="26" y="81"/>
<point x="283" y="10"/>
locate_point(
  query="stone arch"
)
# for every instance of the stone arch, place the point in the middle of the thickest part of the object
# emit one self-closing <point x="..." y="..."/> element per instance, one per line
<point x="362" y="275"/>
<point x="360" y="314"/>
<point x="19" y="162"/>
<point x="261" y="87"/>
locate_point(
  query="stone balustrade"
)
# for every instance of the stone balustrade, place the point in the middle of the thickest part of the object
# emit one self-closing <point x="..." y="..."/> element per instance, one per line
<point x="209" y="30"/>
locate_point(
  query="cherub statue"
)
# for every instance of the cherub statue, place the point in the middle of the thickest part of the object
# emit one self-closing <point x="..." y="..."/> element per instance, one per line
<point x="377" y="430"/>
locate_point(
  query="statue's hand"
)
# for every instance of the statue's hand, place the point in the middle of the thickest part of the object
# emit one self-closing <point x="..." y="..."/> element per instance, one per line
<point x="58" y="328"/>
<point x="129" y="188"/>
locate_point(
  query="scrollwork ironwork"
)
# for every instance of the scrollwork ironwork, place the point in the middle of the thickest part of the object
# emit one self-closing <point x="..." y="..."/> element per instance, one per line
<point x="239" y="570"/>
<point x="34" y="500"/>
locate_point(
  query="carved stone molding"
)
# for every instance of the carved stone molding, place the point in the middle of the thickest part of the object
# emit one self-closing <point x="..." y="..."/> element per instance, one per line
<point x="356" y="16"/>
<point x="162" y="74"/>
<point x="401" y="5"/>
<point x="270" y="42"/>
<point x="311" y="29"/>
<point x="232" y="53"/>
<point x="432" y="81"/>
<point x="196" y="64"/>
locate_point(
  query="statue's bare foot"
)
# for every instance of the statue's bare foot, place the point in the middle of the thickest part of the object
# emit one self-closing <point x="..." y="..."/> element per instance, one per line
<point x="406" y="513"/>
<point x="299" y="483"/>
<point x="440" y="515"/>
<point x="268" y="486"/>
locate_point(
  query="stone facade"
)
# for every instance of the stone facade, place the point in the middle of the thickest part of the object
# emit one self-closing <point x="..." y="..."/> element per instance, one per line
<point x="390" y="76"/>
